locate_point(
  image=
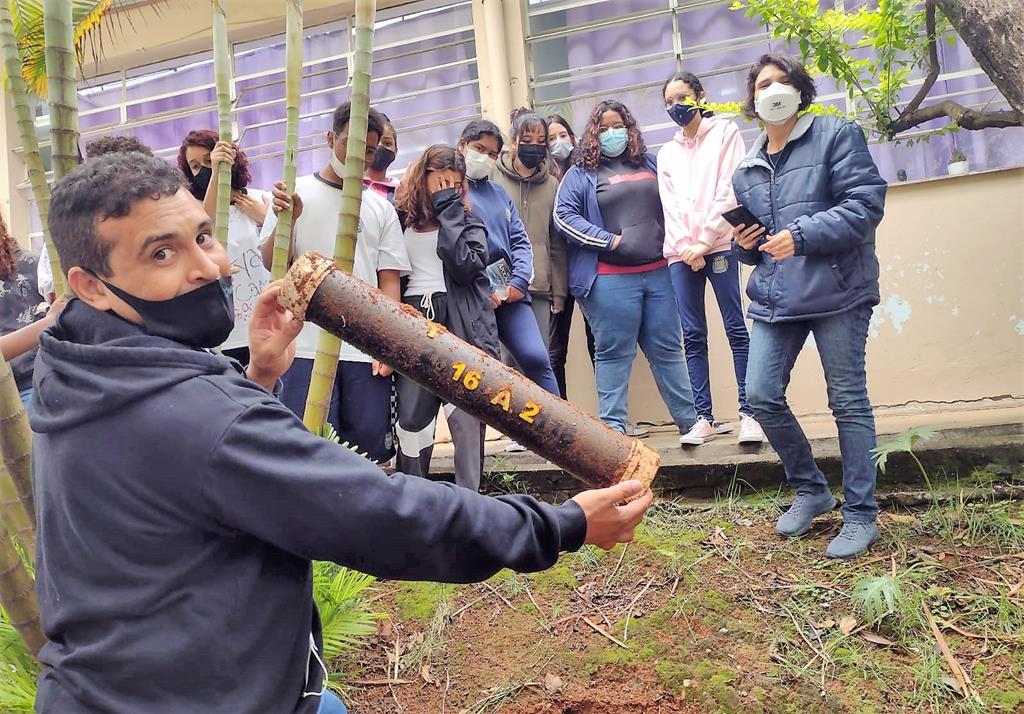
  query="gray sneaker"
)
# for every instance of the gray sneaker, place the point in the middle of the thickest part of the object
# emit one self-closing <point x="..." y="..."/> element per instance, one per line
<point x="807" y="504"/>
<point x="635" y="431"/>
<point x="853" y="540"/>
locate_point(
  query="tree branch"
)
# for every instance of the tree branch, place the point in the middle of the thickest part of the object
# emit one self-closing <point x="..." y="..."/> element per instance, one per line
<point x="965" y="118"/>
<point x="933" y="64"/>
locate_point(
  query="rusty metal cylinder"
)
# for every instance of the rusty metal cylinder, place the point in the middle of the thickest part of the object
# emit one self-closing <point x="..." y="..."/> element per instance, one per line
<point x="463" y="375"/>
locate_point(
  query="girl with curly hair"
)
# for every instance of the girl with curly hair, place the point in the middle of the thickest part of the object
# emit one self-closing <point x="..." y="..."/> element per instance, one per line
<point x="200" y="159"/>
<point x="448" y="283"/>
<point x="609" y="209"/>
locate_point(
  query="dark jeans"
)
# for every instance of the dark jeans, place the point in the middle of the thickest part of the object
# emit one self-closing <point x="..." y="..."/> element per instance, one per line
<point x="558" y="342"/>
<point x="722" y="271"/>
<point x="519" y="334"/>
<point x="841" y="341"/>
<point x="360" y="408"/>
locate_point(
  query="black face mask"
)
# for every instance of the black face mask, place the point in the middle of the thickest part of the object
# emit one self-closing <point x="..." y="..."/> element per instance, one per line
<point x="201" y="318"/>
<point x="383" y="159"/>
<point x="201" y="181"/>
<point x="532" y="155"/>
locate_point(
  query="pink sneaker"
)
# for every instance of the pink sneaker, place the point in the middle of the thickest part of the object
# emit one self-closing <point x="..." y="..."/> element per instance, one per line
<point x="700" y="433"/>
<point x="750" y="431"/>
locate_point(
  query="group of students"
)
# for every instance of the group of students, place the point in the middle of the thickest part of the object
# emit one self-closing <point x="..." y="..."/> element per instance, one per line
<point x="499" y="240"/>
<point x="180" y="501"/>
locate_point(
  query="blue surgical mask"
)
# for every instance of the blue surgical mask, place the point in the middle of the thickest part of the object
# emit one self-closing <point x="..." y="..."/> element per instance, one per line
<point x="614" y="142"/>
<point x="682" y="114"/>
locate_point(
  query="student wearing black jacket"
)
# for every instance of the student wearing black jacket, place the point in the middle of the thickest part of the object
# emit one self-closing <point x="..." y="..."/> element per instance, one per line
<point x="448" y="283"/>
<point x="179" y="503"/>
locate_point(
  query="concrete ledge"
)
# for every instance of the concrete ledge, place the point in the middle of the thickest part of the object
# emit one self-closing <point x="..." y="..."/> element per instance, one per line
<point x="711" y="470"/>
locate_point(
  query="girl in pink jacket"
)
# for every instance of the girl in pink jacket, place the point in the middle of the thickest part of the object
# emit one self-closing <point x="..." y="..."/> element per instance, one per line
<point x="695" y="177"/>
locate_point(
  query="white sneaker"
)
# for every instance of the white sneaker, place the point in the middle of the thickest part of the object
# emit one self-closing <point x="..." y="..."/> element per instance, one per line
<point x="700" y="433"/>
<point x="750" y="431"/>
<point x="515" y="448"/>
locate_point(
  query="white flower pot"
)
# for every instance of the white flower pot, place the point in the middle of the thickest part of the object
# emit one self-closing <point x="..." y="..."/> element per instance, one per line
<point x="959" y="168"/>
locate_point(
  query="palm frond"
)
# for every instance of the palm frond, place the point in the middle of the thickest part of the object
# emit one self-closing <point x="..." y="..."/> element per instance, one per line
<point x="877" y="597"/>
<point x="90" y="18"/>
<point x="904" y="443"/>
<point x="345" y="613"/>
<point x="18" y="671"/>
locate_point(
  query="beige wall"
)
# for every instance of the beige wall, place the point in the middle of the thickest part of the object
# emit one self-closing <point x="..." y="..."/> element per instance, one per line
<point x="951" y="323"/>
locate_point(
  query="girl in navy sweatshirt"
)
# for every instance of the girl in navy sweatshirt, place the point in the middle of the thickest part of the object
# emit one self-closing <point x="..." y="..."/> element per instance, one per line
<point x="510" y="262"/>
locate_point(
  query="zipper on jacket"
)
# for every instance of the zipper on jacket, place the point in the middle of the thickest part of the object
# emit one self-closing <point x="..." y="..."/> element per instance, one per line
<point x="775" y="265"/>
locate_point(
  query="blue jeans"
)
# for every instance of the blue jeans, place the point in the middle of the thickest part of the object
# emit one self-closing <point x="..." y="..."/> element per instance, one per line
<point x="722" y="271"/>
<point x="330" y="704"/>
<point x="841" y="340"/>
<point x="627" y="310"/>
<point x="520" y="335"/>
<point x="360" y="408"/>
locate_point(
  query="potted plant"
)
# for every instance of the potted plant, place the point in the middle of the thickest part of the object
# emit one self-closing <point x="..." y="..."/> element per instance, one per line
<point x="958" y="164"/>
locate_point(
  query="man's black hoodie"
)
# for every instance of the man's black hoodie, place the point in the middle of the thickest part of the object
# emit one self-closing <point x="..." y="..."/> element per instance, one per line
<point x="179" y="507"/>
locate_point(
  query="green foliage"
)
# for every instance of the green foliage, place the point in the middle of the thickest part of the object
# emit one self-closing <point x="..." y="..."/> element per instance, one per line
<point x="418" y="601"/>
<point x="18" y="671"/>
<point x="345" y="614"/>
<point x="904" y="443"/>
<point x="877" y="597"/>
<point x="871" y="50"/>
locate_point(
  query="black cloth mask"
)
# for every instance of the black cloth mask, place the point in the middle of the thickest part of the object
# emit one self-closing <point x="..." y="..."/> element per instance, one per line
<point x="532" y="155"/>
<point x="383" y="159"/>
<point x="201" y="318"/>
<point x="201" y="181"/>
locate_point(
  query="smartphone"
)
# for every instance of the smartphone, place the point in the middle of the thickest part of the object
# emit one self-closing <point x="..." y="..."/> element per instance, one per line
<point x="741" y="216"/>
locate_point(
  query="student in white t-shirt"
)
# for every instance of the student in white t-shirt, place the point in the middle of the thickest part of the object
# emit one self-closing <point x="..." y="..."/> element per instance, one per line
<point x="361" y="403"/>
<point x="200" y="157"/>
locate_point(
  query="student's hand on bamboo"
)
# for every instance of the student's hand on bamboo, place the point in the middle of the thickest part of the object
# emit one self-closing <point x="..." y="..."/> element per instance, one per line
<point x="282" y="201"/>
<point x="272" y="333"/>
<point x="609" y="519"/>
<point x="223" y="153"/>
<point x="54" y="312"/>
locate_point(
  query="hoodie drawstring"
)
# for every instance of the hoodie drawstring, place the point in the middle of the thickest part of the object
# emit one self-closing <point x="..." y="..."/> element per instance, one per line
<point x="427" y="303"/>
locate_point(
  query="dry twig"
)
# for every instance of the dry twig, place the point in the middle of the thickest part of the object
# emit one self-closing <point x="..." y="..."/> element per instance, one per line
<point x="604" y="634"/>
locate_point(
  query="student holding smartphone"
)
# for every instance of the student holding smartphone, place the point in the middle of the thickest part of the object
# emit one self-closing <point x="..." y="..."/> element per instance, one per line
<point x="695" y="179"/>
<point x="811" y="181"/>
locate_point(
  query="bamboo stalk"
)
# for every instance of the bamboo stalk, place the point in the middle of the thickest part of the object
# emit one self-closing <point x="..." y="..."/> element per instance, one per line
<point x="18" y="595"/>
<point x="328" y="348"/>
<point x="29" y="141"/>
<point x="293" y="87"/>
<point x="61" y="69"/>
<point x="16" y="438"/>
<point x="222" y="73"/>
<point x="15" y="518"/>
